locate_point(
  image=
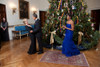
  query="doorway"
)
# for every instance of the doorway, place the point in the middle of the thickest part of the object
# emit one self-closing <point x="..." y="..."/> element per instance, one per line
<point x="2" y="12"/>
<point x="42" y="17"/>
<point x="95" y="14"/>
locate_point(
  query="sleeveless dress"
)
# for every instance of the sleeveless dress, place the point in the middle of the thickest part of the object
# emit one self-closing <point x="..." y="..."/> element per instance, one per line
<point x="68" y="47"/>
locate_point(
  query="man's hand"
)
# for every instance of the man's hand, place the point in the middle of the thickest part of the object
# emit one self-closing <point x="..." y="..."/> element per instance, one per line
<point x="31" y="31"/>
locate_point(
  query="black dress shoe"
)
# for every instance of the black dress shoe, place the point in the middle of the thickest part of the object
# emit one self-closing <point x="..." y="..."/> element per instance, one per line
<point x="40" y="52"/>
<point x="37" y="51"/>
<point x="31" y="53"/>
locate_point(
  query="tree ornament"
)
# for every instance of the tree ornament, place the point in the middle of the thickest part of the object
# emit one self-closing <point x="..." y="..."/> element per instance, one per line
<point x="89" y="20"/>
<point x="73" y="7"/>
<point x="66" y="4"/>
<point x="80" y="25"/>
<point x="53" y="15"/>
<point x="59" y="17"/>
<point x="62" y="10"/>
<point x="92" y="25"/>
<point x="47" y="21"/>
<point x="86" y="13"/>
<point x="71" y="2"/>
<point x="57" y="13"/>
<point x="55" y="5"/>
<point x="82" y="8"/>
<point x="91" y="35"/>
<point x="46" y="35"/>
<point x="93" y="28"/>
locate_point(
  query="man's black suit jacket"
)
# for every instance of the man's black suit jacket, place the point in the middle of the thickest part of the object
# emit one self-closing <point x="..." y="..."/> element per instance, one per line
<point x="37" y="28"/>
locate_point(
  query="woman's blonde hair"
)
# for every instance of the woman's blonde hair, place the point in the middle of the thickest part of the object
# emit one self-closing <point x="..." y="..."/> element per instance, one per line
<point x="25" y="20"/>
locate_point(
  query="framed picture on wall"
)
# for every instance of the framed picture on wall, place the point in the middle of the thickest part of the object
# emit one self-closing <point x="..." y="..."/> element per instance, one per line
<point x="23" y="9"/>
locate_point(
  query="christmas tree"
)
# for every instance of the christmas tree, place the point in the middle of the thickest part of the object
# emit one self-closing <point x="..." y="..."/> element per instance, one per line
<point x="84" y="28"/>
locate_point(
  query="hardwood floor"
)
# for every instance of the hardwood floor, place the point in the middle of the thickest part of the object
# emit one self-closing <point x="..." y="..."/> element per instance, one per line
<point x="14" y="54"/>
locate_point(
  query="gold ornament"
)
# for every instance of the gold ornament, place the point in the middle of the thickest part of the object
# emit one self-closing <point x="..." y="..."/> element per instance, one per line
<point x="86" y="13"/>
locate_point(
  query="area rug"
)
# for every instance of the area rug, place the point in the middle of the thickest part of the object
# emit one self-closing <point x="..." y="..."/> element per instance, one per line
<point x="58" y="58"/>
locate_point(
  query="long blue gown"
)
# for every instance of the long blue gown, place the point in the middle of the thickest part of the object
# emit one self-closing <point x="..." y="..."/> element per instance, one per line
<point x="68" y="46"/>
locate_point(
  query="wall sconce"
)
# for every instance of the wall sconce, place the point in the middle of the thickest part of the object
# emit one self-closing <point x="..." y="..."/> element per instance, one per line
<point x="13" y="6"/>
<point x="34" y="10"/>
<point x="14" y="10"/>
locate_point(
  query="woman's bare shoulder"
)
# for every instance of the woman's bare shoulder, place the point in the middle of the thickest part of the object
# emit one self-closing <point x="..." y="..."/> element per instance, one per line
<point x="71" y="22"/>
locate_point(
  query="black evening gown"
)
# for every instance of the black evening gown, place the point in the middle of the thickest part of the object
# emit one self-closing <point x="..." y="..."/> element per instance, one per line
<point x="4" y="34"/>
<point x="32" y="48"/>
<point x="0" y="37"/>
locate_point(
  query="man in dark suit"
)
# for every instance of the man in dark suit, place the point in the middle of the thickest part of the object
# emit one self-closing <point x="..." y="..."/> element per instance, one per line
<point x="38" y="33"/>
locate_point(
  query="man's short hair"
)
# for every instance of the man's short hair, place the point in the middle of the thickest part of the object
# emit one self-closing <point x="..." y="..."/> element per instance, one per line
<point x="35" y="15"/>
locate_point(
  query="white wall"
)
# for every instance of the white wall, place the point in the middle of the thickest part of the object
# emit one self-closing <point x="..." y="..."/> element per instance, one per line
<point x="14" y="19"/>
<point x="92" y="5"/>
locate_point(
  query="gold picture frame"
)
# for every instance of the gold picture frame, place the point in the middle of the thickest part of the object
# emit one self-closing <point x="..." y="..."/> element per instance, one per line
<point x="23" y="9"/>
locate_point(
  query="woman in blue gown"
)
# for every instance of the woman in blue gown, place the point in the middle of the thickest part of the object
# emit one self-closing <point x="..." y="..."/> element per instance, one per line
<point x="68" y="47"/>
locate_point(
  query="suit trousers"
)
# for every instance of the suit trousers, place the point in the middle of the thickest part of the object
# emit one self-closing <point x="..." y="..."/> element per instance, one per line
<point x="40" y="45"/>
<point x="32" y="48"/>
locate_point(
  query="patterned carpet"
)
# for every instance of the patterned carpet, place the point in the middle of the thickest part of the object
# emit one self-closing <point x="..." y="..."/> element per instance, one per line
<point x="58" y="58"/>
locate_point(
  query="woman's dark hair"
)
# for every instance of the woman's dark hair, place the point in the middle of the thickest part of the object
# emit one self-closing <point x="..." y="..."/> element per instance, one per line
<point x="69" y="15"/>
<point x="5" y="19"/>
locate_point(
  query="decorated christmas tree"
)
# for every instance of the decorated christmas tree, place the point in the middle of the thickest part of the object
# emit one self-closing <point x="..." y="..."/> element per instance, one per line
<point x="84" y="33"/>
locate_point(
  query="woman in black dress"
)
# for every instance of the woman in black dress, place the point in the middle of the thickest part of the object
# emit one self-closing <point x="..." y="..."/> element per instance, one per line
<point x="4" y="30"/>
<point x="32" y="49"/>
<point x="0" y="37"/>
